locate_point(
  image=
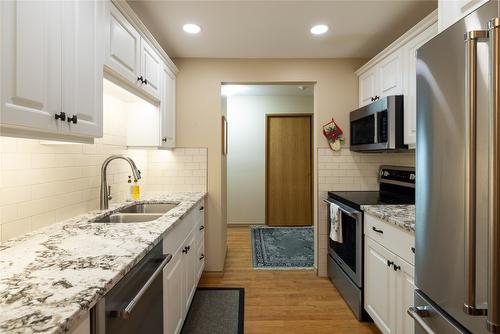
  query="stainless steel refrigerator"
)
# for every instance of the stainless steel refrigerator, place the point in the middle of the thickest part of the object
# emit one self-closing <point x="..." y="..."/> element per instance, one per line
<point x="458" y="178"/>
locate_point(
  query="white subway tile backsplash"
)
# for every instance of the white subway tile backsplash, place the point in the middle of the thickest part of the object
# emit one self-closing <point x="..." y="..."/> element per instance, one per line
<point x="42" y="183"/>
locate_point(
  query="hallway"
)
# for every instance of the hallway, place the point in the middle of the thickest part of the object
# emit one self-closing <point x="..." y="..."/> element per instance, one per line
<point x="283" y="301"/>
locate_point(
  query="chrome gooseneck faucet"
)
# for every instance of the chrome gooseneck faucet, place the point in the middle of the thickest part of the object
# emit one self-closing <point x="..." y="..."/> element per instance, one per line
<point x="105" y="189"/>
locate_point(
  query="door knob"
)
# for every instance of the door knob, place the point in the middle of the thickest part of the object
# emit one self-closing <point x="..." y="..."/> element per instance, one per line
<point x="61" y="116"/>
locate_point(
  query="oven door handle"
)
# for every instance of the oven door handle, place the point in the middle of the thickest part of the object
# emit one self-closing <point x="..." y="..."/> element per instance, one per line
<point x="352" y="213"/>
<point x="127" y="311"/>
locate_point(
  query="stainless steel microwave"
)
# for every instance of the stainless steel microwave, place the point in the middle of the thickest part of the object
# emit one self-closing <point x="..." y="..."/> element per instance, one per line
<point x="378" y="126"/>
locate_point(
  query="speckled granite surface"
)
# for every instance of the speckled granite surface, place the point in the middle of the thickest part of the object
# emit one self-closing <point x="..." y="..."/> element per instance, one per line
<point x="402" y="216"/>
<point x="51" y="277"/>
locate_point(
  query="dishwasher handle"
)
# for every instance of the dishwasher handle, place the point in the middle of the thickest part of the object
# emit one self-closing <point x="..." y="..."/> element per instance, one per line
<point x="127" y="311"/>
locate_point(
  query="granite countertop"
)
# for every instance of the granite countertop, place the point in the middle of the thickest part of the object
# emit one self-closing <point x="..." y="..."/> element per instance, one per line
<point x="51" y="277"/>
<point x="402" y="216"/>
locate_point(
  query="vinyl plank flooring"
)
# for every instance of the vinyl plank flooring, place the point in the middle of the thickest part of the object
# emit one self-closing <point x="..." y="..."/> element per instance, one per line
<point x="284" y="301"/>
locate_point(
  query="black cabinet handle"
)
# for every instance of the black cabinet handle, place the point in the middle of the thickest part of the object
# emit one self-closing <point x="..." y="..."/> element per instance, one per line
<point x="377" y="230"/>
<point x="145" y="81"/>
<point x="73" y="119"/>
<point x="186" y="249"/>
<point x="390" y="263"/>
<point x="164" y="139"/>
<point x="202" y="257"/>
<point x="413" y="250"/>
<point x="202" y="227"/>
<point x="142" y="80"/>
<point x="202" y="208"/>
<point x="396" y="268"/>
<point x="61" y="116"/>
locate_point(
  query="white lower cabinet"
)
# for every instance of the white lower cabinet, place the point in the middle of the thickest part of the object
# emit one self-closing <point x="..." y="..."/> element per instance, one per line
<point x="379" y="286"/>
<point x="389" y="288"/>
<point x="182" y="273"/>
<point x="173" y="303"/>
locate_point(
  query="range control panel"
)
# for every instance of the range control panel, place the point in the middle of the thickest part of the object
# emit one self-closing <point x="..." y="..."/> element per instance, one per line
<point x="397" y="175"/>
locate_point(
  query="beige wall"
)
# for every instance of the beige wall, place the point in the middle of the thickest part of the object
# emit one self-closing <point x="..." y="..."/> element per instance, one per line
<point x="199" y="111"/>
<point x="246" y="160"/>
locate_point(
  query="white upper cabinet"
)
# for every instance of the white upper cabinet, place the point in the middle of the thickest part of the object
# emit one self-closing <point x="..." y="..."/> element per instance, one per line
<point x="410" y="83"/>
<point x="83" y="45"/>
<point x="450" y="11"/>
<point x="150" y="69"/>
<point x="130" y="56"/>
<point x="52" y="54"/>
<point x="122" y="45"/>
<point x="31" y="64"/>
<point x="393" y="72"/>
<point x="167" y="109"/>
<point x="368" y="86"/>
<point x="390" y="74"/>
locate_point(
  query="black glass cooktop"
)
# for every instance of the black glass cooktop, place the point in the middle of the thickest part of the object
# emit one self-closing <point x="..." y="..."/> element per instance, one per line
<point x="355" y="199"/>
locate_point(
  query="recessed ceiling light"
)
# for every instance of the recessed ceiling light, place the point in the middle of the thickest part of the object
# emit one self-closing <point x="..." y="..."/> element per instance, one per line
<point x="319" y="29"/>
<point x="191" y="28"/>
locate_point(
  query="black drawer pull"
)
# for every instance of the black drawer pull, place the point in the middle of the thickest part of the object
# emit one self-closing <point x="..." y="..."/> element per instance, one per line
<point x="202" y="227"/>
<point x="201" y="208"/>
<point x="390" y="263"/>
<point x="377" y="230"/>
<point x="202" y="257"/>
<point x="396" y="268"/>
<point x="413" y="250"/>
<point x="61" y="116"/>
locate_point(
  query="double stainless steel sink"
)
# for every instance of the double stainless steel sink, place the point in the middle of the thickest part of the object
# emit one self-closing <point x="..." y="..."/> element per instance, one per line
<point x="138" y="213"/>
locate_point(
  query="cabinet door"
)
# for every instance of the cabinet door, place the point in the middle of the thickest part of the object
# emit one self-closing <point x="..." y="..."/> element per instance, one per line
<point x="200" y="263"/>
<point x="150" y="69"/>
<point x="31" y="47"/>
<point x="410" y="85"/>
<point x="173" y="294"/>
<point x="83" y="53"/>
<point x="379" y="286"/>
<point x="167" y="109"/>
<point x="191" y="260"/>
<point x="390" y="75"/>
<point x="367" y="86"/>
<point x="405" y="297"/>
<point x="123" y="45"/>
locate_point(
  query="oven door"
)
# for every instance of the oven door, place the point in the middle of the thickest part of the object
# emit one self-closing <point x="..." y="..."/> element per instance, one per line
<point x="348" y="254"/>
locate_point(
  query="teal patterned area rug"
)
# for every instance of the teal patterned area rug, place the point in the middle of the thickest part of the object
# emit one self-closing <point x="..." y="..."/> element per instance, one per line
<point x="282" y="247"/>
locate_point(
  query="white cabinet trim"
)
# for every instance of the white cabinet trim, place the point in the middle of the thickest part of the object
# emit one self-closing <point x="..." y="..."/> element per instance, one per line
<point x="130" y="15"/>
<point x="428" y="21"/>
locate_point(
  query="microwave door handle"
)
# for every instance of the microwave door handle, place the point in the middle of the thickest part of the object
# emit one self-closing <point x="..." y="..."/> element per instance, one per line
<point x="127" y="311"/>
<point x="493" y="319"/>
<point x="471" y="40"/>
<point x="375" y="133"/>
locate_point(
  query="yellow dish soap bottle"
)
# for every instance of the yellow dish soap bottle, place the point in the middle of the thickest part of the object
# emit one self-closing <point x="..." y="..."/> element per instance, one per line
<point x="136" y="191"/>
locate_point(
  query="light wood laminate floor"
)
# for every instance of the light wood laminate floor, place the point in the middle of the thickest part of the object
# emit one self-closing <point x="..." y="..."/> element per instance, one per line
<point x="283" y="301"/>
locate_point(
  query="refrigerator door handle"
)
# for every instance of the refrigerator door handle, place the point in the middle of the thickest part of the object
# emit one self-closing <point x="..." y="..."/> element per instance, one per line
<point x="493" y="321"/>
<point x="471" y="40"/>
<point x="418" y="313"/>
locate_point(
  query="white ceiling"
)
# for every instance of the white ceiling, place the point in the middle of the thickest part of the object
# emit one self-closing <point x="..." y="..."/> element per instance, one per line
<point x="279" y="29"/>
<point x="267" y="90"/>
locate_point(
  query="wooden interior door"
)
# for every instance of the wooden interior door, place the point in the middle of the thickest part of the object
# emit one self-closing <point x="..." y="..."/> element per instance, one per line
<point x="289" y="170"/>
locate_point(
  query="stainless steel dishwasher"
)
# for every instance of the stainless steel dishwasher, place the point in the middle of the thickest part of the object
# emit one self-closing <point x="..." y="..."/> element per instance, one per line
<point x="135" y="303"/>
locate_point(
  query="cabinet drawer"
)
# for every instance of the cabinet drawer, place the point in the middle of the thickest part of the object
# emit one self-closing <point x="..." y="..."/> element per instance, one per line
<point x="199" y="211"/>
<point x="176" y="237"/>
<point x="391" y="237"/>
